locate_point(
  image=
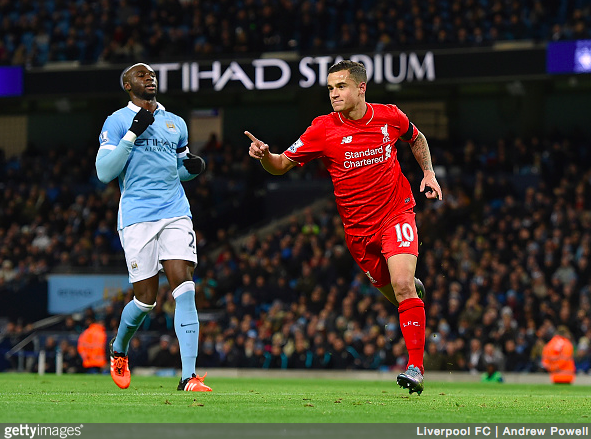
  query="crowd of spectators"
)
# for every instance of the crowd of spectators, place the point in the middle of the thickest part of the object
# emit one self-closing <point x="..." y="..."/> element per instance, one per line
<point x="35" y="32"/>
<point x="53" y="220"/>
<point x="504" y="259"/>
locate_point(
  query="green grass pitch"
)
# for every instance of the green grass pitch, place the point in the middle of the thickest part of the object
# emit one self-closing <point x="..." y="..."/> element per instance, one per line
<point x="95" y="399"/>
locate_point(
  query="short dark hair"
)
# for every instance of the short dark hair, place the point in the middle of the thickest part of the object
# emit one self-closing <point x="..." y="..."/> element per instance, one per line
<point x="356" y="69"/>
<point x="124" y="77"/>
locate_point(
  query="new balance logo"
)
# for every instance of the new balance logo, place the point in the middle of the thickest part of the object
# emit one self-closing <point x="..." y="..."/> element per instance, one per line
<point x="347" y="139"/>
<point x="404" y="244"/>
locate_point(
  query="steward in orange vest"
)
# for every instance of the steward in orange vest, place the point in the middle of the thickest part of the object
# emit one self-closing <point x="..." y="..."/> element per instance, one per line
<point x="92" y="345"/>
<point x="558" y="357"/>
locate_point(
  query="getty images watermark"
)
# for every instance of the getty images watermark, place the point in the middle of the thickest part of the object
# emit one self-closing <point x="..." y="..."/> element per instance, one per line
<point x="33" y="431"/>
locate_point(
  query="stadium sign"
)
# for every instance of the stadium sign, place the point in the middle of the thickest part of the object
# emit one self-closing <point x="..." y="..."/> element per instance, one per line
<point x="569" y="57"/>
<point x="11" y="81"/>
<point x="270" y="72"/>
<point x="68" y="293"/>
<point x="310" y="71"/>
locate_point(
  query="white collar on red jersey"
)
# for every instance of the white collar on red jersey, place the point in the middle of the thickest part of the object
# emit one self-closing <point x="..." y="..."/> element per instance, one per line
<point x="366" y="123"/>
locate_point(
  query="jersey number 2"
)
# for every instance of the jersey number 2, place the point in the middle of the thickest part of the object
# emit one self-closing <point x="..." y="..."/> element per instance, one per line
<point x="192" y="243"/>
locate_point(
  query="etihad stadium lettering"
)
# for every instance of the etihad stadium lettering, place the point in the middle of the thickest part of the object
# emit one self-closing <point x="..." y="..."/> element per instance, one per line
<point x="275" y="73"/>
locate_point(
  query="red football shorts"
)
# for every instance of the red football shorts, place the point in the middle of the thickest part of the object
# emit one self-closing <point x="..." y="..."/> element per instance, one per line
<point x="397" y="236"/>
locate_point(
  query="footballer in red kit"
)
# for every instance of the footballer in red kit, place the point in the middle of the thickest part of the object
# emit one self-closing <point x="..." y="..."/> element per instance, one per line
<point x="360" y="157"/>
<point x="356" y="143"/>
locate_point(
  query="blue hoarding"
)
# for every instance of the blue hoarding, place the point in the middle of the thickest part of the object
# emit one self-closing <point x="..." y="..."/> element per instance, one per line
<point x="569" y="57"/>
<point x="68" y="293"/>
<point x="11" y="81"/>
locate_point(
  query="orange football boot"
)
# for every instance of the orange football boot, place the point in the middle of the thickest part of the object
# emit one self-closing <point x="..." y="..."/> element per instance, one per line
<point x="119" y="367"/>
<point x="194" y="384"/>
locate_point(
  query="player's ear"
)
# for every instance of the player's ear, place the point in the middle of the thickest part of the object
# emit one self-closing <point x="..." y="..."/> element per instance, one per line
<point x="362" y="87"/>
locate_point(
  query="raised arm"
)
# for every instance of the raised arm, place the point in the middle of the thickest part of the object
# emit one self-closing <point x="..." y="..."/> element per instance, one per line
<point x="110" y="159"/>
<point x="275" y="164"/>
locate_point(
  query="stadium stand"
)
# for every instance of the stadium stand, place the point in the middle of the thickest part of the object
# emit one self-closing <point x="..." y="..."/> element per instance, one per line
<point x="37" y="32"/>
<point x="505" y="262"/>
<point x="505" y="259"/>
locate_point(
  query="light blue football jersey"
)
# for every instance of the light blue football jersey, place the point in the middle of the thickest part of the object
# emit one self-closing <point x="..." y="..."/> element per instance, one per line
<point x="150" y="186"/>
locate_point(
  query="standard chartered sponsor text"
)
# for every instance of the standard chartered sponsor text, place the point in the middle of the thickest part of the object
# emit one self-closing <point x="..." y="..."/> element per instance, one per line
<point x="377" y="152"/>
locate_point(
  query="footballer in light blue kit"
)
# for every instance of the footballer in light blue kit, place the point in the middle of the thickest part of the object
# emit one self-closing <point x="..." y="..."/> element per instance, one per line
<point x="146" y="148"/>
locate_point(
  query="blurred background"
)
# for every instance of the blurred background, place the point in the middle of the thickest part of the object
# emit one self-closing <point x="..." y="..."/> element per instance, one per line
<point x="500" y="88"/>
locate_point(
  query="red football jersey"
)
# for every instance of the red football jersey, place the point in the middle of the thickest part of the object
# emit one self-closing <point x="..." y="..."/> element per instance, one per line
<point x="360" y="156"/>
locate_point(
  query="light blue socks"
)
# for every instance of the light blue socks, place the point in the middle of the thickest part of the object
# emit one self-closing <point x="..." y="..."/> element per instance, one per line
<point x="131" y="318"/>
<point x="186" y="326"/>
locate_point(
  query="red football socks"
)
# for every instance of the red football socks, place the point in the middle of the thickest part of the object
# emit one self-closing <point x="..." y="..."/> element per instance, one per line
<point x="412" y="325"/>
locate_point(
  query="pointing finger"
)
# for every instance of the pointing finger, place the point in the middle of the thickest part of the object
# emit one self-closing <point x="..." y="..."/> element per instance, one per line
<point x="251" y="137"/>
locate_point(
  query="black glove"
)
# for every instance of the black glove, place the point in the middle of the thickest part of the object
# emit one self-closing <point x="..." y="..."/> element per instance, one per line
<point x="194" y="164"/>
<point x="141" y="121"/>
